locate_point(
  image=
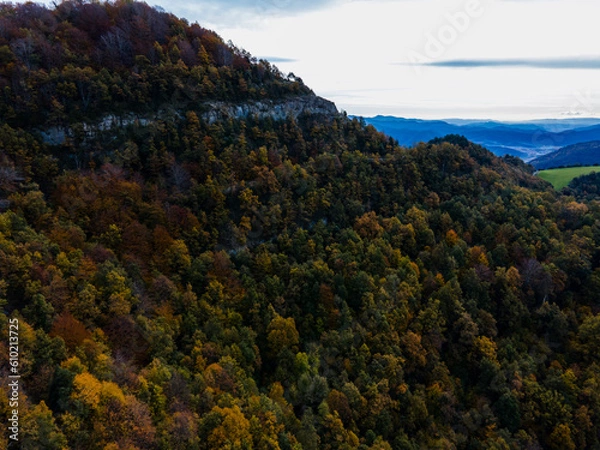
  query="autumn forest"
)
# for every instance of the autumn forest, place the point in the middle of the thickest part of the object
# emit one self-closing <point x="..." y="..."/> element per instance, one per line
<point x="186" y="280"/>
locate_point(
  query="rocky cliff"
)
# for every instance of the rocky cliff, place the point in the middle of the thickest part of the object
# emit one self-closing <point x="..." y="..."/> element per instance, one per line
<point x="211" y="112"/>
<point x="276" y="110"/>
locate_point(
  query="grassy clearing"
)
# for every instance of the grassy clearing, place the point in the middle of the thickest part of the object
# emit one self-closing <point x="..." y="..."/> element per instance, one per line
<point x="562" y="177"/>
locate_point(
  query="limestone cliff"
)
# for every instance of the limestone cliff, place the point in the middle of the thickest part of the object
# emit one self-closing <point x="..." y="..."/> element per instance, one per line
<point x="210" y="111"/>
<point x="276" y="110"/>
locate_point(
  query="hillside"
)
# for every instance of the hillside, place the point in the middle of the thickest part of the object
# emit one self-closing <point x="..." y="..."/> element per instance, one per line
<point x="583" y="154"/>
<point x="526" y="140"/>
<point x="585" y="187"/>
<point x="560" y="178"/>
<point x="202" y="254"/>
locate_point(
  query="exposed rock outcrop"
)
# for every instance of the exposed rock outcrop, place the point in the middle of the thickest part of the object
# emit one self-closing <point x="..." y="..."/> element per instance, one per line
<point x="276" y="110"/>
<point x="211" y="112"/>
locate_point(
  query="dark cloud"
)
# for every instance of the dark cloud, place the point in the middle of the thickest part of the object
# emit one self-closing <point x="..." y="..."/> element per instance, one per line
<point x="277" y="59"/>
<point x="234" y="11"/>
<point x="541" y="63"/>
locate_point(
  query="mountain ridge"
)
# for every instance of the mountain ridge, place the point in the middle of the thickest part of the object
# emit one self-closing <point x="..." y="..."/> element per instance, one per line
<point x="582" y="154"/>
<point x="526" y="140"/>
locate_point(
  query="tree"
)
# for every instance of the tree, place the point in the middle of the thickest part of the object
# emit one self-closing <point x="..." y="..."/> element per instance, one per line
<point x="588" y="337"/>
<point x="231" y="430"/>
<point x="39" y="430"/>
<point x="282" y="334"/>
<point x="561" y="438"/>
<point x="71" y="330"/>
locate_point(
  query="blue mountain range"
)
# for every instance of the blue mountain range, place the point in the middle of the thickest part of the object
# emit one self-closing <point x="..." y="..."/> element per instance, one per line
<point x="527" y="140"/>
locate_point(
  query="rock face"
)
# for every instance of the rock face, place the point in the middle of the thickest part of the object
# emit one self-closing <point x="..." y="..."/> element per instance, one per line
<point x="211" y="112"/>
<point x="58" y="135"/>
<point x="276" y="110"/>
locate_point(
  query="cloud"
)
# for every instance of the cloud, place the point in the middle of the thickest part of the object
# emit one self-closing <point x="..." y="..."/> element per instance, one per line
<point x="278" y="59"/>
<point x="273" y="5"/>
<point x="588" y="63"/>
<point x="234" y="11"/>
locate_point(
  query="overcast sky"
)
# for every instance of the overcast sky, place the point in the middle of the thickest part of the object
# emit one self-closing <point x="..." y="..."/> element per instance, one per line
<point x="498" y="59"/>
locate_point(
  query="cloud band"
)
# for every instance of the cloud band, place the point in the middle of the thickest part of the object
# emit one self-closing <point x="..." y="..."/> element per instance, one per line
<point x="592" y="63"/>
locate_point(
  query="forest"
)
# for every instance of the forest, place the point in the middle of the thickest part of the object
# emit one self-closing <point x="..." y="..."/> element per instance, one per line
<point x="254" y="283"/>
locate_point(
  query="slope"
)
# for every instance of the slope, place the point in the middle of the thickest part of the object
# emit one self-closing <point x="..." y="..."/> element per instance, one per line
<point x="584" y="154"/>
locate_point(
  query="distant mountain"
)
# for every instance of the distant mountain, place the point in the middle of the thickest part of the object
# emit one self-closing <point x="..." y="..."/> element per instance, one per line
<point x="526" y="140"/>
<point x="558" y="125"/>
<point x="584" y="154"/>
<point x="555" y="125"/>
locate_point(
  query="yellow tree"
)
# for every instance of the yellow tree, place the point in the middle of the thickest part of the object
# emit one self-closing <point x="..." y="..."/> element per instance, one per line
<point x="233" y="431"/>
<point x="282" y="334"/>
<point x="40" y="430"/>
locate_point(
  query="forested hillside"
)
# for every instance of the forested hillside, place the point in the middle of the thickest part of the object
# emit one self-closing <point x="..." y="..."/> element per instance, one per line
<point x="265" y="283"/>
<point x="585" y="187"/>
<point x="583" y="154"/>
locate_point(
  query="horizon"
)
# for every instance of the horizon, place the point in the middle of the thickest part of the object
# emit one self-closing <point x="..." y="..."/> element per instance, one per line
<point x="487" y="119"/>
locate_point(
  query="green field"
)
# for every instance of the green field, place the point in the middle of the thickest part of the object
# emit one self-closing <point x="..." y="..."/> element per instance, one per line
<point x="562" y="177"/>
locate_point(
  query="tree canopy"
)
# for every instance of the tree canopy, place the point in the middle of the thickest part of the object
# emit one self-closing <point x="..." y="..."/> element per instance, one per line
<point x="268" y="283"/>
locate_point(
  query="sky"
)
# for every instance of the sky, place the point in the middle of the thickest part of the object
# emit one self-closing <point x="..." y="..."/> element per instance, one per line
<point x="429" y="59"/>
